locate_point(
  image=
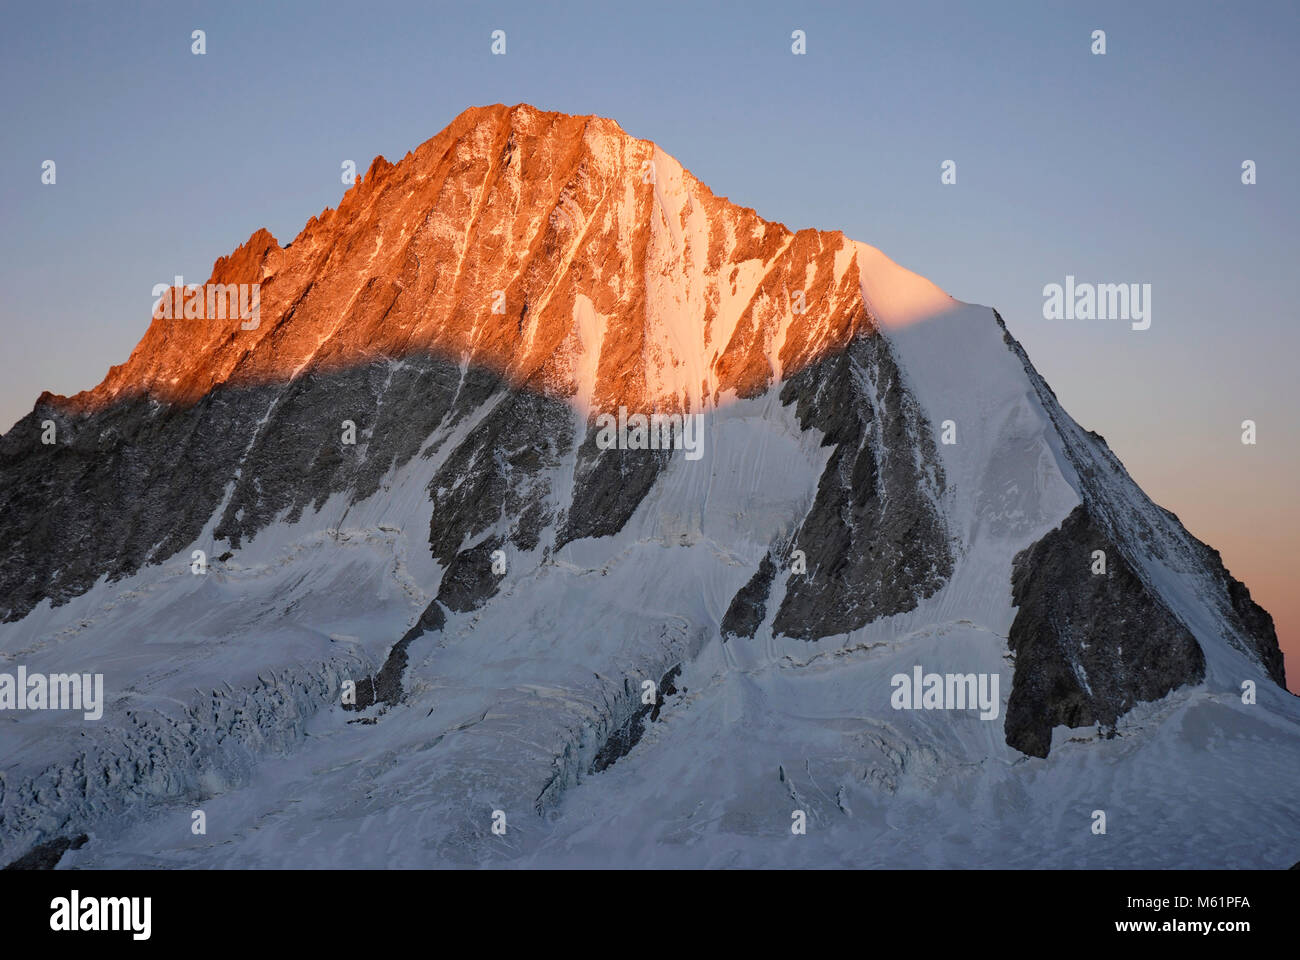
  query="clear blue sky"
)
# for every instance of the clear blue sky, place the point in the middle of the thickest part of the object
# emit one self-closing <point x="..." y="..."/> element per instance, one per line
<point x="1115" y="168"/>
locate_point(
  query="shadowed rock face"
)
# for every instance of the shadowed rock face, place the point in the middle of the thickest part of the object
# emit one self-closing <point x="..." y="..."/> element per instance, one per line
<point x="131" y="484"/>
<point x="499" y="475"/>
<point x="1087" y="646"/>
<point x="297" y="458"/>
<point x="875" y="541"/>
<point x="136" y="482"/>
<point x="608" y="486"/>
<point x="1258" y="624"/>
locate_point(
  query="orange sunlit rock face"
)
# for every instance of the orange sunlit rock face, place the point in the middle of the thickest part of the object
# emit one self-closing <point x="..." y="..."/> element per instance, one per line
<point x="556" y="250"/>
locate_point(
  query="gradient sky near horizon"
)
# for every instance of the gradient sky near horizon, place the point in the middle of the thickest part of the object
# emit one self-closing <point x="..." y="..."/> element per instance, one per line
<point x="1117" y="168"/>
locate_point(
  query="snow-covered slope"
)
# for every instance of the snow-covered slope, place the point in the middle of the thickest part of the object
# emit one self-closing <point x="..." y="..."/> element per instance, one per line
<point x="829" y="539"/>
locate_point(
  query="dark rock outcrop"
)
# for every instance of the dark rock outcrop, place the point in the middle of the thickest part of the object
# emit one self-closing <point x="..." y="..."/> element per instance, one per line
<point x="1140" y="531"/>
<point x="120" y="488"/>
<point x="1087" y="646"/>
<point x="875" y="541"/>
<point x="749" y="605"/>
<point x="46" y="856"/>
<point x="385" y="686"/>
<point x="608" y="486"/>
<point x="500" y="474"/>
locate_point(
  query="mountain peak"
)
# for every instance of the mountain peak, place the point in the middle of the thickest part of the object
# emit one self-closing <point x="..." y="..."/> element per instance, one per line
<point x="557" y="250"/>
<point x="391" y="478"/>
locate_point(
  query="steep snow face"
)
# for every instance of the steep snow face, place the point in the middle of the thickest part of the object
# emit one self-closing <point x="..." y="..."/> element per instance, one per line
<point x="1007" y="483"/>
<point x="883" y="475"/>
